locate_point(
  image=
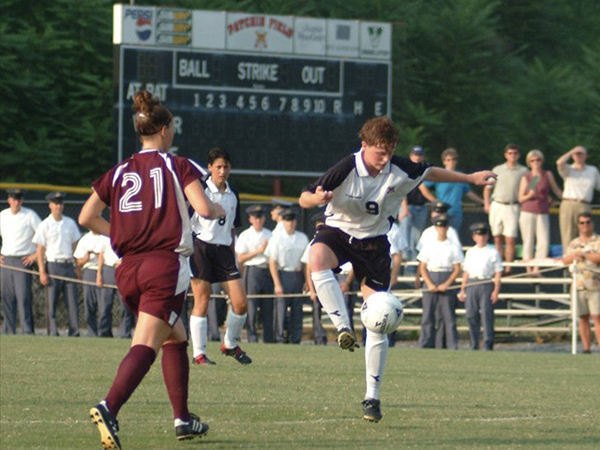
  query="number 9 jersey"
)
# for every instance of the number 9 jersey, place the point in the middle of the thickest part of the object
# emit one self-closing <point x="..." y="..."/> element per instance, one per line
<point x="147" y="189"/>
<point x="364" y="206"/>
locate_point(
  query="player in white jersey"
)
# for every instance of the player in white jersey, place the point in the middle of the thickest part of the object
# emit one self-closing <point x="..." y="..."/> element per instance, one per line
<point x="363" y="193"/>
<point x="214" y="262"/>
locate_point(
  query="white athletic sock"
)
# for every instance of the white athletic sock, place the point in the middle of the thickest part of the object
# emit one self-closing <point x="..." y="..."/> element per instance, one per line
<point x="235" y="324"/>
<point x="199" y="334"/>
<point x="331" y="297"/>
<point x="376" y="349"/>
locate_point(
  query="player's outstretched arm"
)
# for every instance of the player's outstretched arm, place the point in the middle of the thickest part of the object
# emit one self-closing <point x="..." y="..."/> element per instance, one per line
<point x="481" y="178"/>
<point x="318" y="198"/>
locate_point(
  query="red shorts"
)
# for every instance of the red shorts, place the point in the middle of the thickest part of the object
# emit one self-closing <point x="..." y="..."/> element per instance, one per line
<point x="155" y="283"/>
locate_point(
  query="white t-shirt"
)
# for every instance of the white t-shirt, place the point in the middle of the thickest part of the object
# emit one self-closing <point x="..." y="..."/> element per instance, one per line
<point x="287" y="249"/>
<point x="397" y="239"/>
<point x="218" y="231"/>
<point x="88" y="243"/>
<point x="248" y="241"/>
<point x="58" y="237"/>
<point x="110" y="257"/>
<point x="17" y="231"/>
<point x="440" y="255"/>
<point x="580" y="184"/>
<point x="430" y="234"/>
<point x="482" y="262"/>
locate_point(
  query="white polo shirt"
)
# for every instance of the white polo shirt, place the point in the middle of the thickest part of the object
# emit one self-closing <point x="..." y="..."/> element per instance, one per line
<point x="482" y="263"/>
<point x="248" y="241"/>
<point x="58" y="237"/>
<point x="88" y="243"/>
<point x="430" y="234"/>
<point x="364" y="206"/>
<point x="287" y="249"/>
<point x="440" y="256"/>
<point x="218" y="231"/>
<point x="17" y="231"/>
<point x="580" y="184"/>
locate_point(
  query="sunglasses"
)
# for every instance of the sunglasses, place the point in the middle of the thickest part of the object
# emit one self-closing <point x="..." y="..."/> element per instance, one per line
<point x="586" y="222"/>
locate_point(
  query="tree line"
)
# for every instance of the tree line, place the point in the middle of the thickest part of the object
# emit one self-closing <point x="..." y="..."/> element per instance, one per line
<point x="471" y="74"/>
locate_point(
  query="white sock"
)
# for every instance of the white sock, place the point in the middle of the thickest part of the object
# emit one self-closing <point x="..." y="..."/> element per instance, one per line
<point x="235" y="324"/>
<point x="376" y="349"/>
<point x="331" y="297"/>
<point x="199" y="334"/>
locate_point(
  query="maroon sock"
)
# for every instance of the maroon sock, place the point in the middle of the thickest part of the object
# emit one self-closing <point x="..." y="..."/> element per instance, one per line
<point x="176" y="372"/>
<point x="130" y="374"/>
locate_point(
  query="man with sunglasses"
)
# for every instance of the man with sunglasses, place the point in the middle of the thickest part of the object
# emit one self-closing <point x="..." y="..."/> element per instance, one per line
<point x="585" y="252"/>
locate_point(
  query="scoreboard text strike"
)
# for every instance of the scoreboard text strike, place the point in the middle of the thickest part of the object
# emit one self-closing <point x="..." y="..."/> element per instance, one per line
<point x="277" y="105"/>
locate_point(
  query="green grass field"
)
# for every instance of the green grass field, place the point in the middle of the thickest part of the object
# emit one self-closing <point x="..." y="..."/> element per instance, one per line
<point x="305" y="397"/>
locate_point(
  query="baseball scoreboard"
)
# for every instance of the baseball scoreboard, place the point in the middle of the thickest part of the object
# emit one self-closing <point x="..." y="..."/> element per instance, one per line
<point x="284" y="95"/>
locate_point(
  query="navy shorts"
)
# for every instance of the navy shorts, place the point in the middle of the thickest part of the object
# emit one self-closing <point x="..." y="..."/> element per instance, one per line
<point x="370" y="257"/>
<point x="155" y="283"/>
<point x="213" y="263"/>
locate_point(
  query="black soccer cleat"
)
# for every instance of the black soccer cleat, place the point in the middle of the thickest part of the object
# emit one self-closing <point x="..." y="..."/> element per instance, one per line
<point x="372" y="410"/>
<point x="108" y="426"/>
<point x="191" y="429"/>
<point x="346" y="340"/>
<point x="237" y="353"/>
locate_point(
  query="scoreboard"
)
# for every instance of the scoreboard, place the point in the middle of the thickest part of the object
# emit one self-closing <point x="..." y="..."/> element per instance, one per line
<point x="277" y="110"/>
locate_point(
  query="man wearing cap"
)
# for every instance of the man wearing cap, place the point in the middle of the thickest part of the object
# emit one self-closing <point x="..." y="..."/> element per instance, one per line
<point x="413" y="212"/>
<point x="278" y="207"/>
<point x="501" y="202"/>
<point x="56" y="240"/>
<point x="285" y="251"/>
<point x="17" y="228"/>
<point x="439" y="265"/>
<point x="580" y="181"/>
<point x="250" y="250"/>
<point x="483" y="268"/>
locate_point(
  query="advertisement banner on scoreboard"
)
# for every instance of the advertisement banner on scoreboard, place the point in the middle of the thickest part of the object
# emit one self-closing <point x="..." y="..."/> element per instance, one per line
<point x="375" y="40"/>
<point x="310" y="36"/>
<point x="208" y="29"/>
<point x="342" y="38"/>
<point x="134" y="25"/>
<point x="260" y="33"/>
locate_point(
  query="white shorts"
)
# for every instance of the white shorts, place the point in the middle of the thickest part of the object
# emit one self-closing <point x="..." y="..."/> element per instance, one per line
<point x="588" y="303"/>
<point x="504" y="219"/>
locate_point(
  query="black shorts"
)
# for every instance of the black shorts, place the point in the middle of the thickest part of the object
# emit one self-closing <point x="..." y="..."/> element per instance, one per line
<point x="213" y="263"/>
<point x="370" y="257"/>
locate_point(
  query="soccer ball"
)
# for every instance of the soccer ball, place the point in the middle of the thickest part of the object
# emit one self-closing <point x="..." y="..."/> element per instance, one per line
<point x="382" y="312"/>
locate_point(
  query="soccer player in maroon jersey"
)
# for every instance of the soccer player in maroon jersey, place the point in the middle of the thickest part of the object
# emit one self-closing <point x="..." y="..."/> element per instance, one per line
<point x="149" y="229"/>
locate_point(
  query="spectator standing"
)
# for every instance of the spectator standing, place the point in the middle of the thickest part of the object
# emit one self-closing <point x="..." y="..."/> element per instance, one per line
<point x="585" y="252"/>
<point x="501" y="202"/>
<point x="580" y="180"/>
<point x="108" y="261"/>
<point x="98" y="313"/>
<point x="250" y="249"/>
<point x="17" y="228"/>
<point x="285" y="251"/>
<point x="483" y="267"/>
<point x="278" y="207"/>
<point x="453" y="193"/>
<point x="56" y="239"/>
<point x="439" y="265"/>
<point x="414" y="213"/>
<point x="534" y="196"/>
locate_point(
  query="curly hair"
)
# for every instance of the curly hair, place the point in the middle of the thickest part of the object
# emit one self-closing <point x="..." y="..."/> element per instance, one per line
<point x="380" y="132"/>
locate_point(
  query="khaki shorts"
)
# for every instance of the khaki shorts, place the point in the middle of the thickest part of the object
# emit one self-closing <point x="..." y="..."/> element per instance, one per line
<point x="504" y="219"/>
<point x="588" y="303"/>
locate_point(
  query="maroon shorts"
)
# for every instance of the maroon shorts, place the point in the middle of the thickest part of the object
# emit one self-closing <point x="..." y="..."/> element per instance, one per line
<point x="213" y="263"/>
<point x="370" y="257"/>
<point x="155" y="283"/>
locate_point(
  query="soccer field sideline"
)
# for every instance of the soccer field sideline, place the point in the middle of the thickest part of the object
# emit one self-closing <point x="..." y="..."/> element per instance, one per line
<point x="298" y="397"/>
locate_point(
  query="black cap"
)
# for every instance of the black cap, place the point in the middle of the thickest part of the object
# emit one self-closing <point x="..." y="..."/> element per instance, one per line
<point x="56" y="197"/>
<point x="288" y="214"/>
<point x="281" y="203"/>
<point x="441" y="207"/>
<point x="255" y="210"/>
<point x="417" y="150"/>
<point x="480" y="228"/>
<point x="441" y="220"/>
<point x="15" y="193"/>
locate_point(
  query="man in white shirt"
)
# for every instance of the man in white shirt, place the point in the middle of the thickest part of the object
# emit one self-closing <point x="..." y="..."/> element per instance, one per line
<point x="56" y="239"/>
<point x="483" y="267"/>
<point x="250" y="249"/>
<point x="17" y="227"/>
<point x="580" y="181"/>
<point x="285" y="252"/>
